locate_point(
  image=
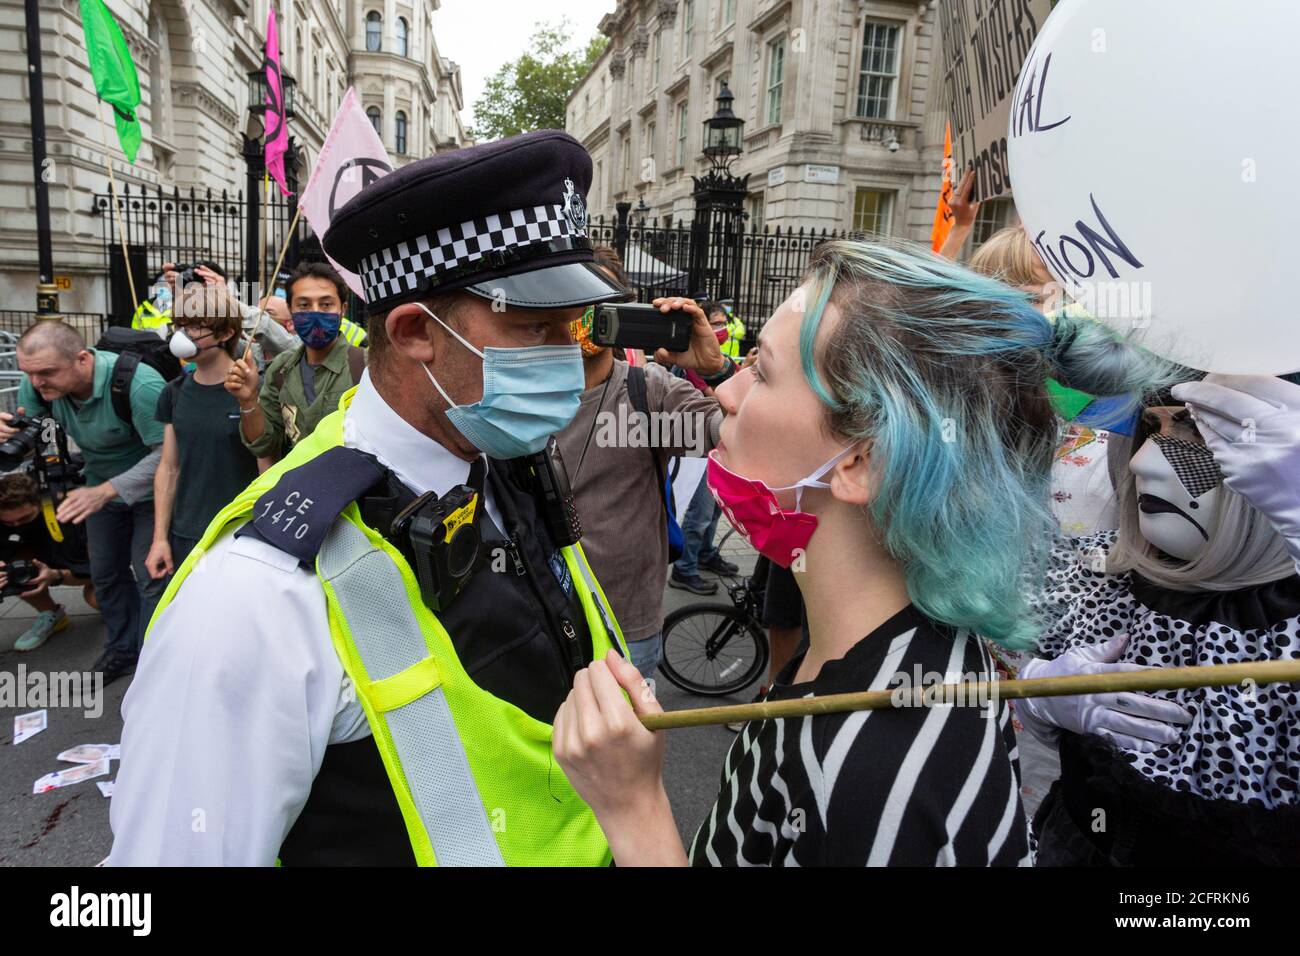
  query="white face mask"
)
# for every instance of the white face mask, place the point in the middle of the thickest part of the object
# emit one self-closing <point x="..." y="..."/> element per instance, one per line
<point x="1178" y="497"/>
<point x="182" y="346"/>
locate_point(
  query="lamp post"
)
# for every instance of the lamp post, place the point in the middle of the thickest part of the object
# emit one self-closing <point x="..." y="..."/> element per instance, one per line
<point x="719" y="206"/>
<point x="47" y="293"/>
<point x="255" y="159"/>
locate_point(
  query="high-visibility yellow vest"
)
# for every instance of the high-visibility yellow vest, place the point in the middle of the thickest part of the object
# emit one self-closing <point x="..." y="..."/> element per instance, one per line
<point x="474" y="775"/>
<point x="352" y="333"/>
<point x="147" y="316"/>
<point x="735" y="335"/>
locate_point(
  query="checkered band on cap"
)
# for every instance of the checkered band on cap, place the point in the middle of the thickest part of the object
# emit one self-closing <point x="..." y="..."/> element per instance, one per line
<point x="398" y="269"/>
<point x="1193" y="464"/>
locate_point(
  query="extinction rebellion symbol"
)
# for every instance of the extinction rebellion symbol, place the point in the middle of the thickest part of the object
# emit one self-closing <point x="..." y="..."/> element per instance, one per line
<point x="360" y="172"/>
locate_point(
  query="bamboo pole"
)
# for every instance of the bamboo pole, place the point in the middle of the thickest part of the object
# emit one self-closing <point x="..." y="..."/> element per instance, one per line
<point x="284" y="247"/>
<point x="978" y="692"/>
<point x="117" y="215"/>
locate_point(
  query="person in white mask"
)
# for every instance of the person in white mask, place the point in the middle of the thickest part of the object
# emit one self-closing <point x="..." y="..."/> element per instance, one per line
<point x="1201" y="571"/>
<point x="204" y="463"/>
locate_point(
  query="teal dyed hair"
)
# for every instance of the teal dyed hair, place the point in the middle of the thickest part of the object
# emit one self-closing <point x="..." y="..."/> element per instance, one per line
<point x="942" y="374"/>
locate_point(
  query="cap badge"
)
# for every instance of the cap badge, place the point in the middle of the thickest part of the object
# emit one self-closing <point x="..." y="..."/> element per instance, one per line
<point x="575" y="209"/>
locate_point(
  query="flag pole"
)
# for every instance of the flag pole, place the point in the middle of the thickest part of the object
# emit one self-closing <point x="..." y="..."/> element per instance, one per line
<point x="1250" y="673"/>
<point x="121" y="231"/>
<point x="284" y="246"/>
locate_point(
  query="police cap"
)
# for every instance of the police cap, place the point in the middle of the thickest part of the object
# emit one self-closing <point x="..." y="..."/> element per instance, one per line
<point x="505" y="220"/>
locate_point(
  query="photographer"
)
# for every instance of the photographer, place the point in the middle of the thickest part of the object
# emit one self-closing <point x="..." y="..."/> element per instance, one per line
<point x="31" y="561"/>
<point x="263" y="324"/>
<point x="628" y="547"/>
<point x="71" y="383"/>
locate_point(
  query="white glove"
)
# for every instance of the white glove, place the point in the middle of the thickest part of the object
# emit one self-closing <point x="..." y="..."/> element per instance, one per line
<point x="1134" y="721"/>
<point x="1252" y="424"/>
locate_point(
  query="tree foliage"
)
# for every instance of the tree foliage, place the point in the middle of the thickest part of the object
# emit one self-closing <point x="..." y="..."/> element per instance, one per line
<point x="528" y="93"/>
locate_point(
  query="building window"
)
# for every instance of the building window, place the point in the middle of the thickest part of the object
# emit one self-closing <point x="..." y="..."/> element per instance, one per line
<point x="399" y="139"/>
<point x="879" y="72"/>
<point x="625" y="147"/>
<point x="756" y="206"/>
<point x="728" y="12"/>
<point x="374" y="31"/>
<point x="775" y="79"/>
<point x="650" y="132"/>
<point x="994" y="214"/>
<point x="403" y="45"/>
<point x="681" y="133"/>
<point x="373" y="113"/>
<point x="871" y="210"/>
<point x="654" y="79"/>
<point x="688" y="24"/>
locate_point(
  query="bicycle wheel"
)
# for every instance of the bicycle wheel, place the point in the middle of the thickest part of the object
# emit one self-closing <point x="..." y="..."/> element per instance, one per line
<point x="712" y="649"/>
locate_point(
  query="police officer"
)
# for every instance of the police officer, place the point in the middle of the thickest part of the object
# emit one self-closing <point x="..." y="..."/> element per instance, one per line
<point x="359" y="662"/>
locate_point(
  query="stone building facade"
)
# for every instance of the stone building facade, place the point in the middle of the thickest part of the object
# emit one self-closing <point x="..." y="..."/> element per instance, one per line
<point x="192" y="58"/>
<point x="844" y="123"/>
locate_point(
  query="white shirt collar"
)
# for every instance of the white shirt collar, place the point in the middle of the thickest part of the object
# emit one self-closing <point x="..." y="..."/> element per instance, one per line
<point x="372" y="426"/>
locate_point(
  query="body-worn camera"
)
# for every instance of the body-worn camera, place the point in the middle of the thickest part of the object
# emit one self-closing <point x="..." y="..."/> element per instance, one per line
<point x="21" y="574"/>
<point x="444" y="541"/>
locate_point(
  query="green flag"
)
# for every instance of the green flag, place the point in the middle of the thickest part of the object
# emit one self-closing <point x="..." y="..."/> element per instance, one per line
<point x="114" y="73"/>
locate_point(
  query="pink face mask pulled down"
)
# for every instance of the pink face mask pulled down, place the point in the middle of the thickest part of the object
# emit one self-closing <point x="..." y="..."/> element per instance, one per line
<point x="752" y="507"/>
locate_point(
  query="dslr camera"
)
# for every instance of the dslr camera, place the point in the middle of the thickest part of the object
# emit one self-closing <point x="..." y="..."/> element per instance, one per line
<point x="21" y="574"/>
<point x="56" y="469"/>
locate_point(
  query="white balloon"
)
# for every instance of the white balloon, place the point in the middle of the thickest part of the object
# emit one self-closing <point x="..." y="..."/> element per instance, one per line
<point x="1152" y="147"/>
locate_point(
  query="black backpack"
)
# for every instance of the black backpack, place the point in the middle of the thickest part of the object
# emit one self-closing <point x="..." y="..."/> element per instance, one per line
<point x="134" y="346"/>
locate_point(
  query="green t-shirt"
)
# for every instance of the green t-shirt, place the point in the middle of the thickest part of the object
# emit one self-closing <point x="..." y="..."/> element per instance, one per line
<point x="109" y="445"/>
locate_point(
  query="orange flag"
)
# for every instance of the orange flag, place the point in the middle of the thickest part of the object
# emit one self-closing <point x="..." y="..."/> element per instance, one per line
<point x="943" y="214"/>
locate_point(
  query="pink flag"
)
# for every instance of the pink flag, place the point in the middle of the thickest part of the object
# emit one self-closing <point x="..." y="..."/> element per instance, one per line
<point x="351" y="158"/>
<point x="274" y="119"/>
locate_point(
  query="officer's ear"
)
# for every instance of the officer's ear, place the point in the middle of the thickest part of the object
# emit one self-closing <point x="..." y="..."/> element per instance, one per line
<point x="410" y="332"/>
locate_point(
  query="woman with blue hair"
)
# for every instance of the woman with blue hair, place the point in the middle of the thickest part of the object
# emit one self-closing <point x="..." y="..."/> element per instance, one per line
<point x="893" y="446"/>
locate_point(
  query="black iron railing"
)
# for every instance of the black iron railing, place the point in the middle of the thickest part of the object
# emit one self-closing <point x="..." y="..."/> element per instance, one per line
<point x="182" y="227"/>
<point x="756" y="268"/>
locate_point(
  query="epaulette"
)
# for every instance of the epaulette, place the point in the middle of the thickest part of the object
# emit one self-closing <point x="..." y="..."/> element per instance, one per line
<point x="298" y="512"/>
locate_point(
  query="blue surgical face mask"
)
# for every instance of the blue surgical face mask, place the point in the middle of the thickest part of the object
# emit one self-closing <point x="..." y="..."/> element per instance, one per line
<point x="528" y="395"/>
<point x="317" y="329"/>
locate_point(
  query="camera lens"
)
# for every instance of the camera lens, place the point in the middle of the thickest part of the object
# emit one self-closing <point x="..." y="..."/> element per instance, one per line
<point x="14" y="451"/>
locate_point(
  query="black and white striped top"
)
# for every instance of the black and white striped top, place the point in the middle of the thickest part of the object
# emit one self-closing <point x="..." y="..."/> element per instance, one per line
<point x="914" y="786"/>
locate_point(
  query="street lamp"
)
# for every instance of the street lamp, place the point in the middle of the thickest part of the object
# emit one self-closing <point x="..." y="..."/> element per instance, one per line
<point x="257" y="92"/>
<point x="722" y="132"/>
<point x="719" y="207"/>
<point x="255" y="160"/>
